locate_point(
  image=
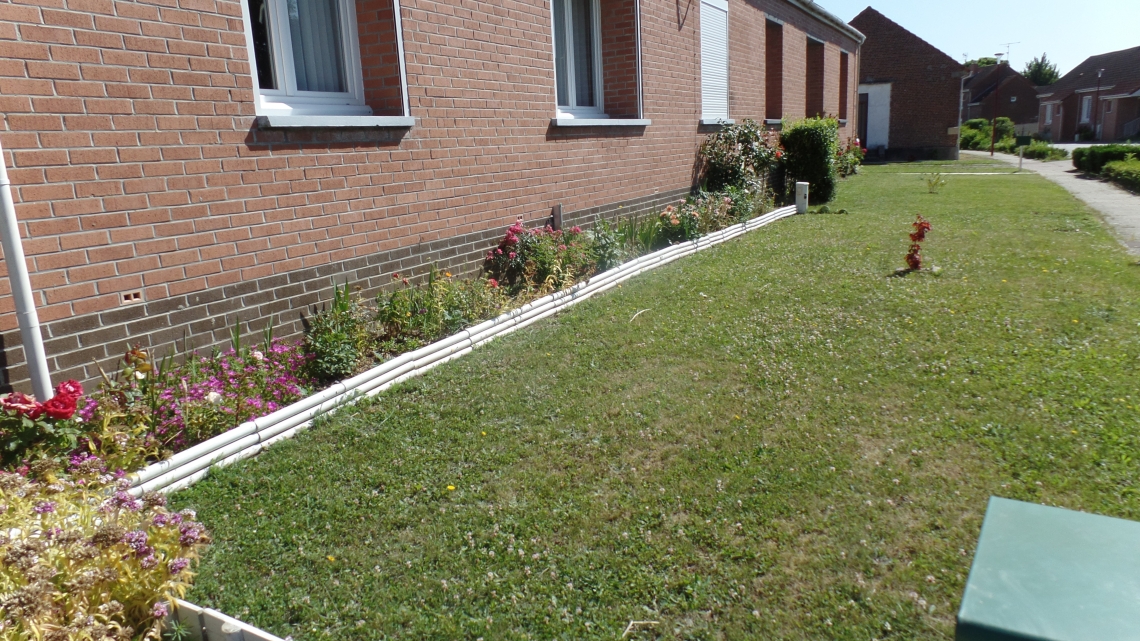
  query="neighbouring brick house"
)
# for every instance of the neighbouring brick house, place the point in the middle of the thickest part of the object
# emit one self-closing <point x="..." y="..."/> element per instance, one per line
<point x="998" y="91"/>
<point x="1086" y="105"/>
<point x="167" y="187"/>
<point x="908" y="93"/>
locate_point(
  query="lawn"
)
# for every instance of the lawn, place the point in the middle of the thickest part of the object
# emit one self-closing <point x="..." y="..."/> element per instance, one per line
<point x="780" y="438"/>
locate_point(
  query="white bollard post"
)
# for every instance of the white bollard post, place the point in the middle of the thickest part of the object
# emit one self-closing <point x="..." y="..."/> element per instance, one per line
<point x="802" y="191"/>
<point x="1020" y="158"/>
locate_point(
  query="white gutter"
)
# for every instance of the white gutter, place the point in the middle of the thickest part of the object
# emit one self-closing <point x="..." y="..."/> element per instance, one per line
<point x="811" y="8"/>
<point x="22" y="290"/>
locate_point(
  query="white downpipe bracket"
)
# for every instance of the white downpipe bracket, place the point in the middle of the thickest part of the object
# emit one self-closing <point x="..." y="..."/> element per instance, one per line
<point x="249" y="438"/>
<point x="26" y="315"/>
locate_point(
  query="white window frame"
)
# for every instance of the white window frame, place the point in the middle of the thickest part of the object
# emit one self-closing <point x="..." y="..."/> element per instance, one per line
<point x="1086" y="109"/>
<point x="572" y="111"/>
<point x="288" y="101"/>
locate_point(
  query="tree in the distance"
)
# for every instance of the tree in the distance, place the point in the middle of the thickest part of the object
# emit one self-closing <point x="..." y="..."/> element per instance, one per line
<point x="1041" y="72"/>
<point x="984" y="61"/>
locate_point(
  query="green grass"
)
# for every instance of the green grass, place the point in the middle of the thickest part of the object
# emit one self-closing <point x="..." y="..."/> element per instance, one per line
<point x="790" y="442"/>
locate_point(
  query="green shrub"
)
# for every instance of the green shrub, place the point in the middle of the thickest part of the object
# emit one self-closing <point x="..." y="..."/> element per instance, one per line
<point x="1093" y="159"/>
<point x="539" y="260"/>
<point x="606" y="246"/>
<point x="1041" y="150"/>
<point x="1125" y="173"/>
<point x="978" y="134"/>
<point x="736" y="156"/>
<point x="338" y="336"/>
<point x="418" y="314"/>
<point x="80" y="558"/>
<point x="810" y="149"/>
<point x="849" y="159"/>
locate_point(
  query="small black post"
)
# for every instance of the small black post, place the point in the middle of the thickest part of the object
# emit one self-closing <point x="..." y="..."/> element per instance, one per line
<point x="556" y="217"/>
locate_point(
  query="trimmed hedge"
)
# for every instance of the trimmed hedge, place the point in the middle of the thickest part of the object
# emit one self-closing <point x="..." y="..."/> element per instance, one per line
<point x="810" y="148"/>
<point x="1039" y="150"/>
<point x="1093" y="159"/>
<point x="1125" y="173"/>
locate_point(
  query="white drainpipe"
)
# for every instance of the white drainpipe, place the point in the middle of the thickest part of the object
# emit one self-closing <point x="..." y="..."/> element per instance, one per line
<point x="22" y="290"/>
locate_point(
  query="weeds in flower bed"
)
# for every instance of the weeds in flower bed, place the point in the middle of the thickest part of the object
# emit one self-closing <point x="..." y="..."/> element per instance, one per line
<point x="82" y="559"/>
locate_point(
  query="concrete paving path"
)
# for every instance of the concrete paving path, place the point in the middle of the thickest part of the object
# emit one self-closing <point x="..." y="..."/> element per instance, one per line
<point x="1120" y="208"/>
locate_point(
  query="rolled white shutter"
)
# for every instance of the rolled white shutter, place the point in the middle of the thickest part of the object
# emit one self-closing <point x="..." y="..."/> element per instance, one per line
<point x="714" y="59"/>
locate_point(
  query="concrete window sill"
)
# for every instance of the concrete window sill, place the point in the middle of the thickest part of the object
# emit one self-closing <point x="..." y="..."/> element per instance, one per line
<point x="330" y="122"/>
<point x="713" y="122"/>
<point x="601" y="122"/>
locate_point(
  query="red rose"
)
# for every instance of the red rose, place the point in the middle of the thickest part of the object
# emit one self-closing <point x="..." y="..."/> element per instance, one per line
<point x="72" y="389"/>
<point x="60" y="407"/>
<point x="22" y="404"/>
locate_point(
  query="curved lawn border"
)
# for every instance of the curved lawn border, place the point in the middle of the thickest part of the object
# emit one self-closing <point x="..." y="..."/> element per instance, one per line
<point x="189" y="466"/>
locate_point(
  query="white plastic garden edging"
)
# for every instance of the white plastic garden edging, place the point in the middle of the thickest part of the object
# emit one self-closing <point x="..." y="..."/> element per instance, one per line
<point x="189" y="466"/>
<point x="204" y="624"/>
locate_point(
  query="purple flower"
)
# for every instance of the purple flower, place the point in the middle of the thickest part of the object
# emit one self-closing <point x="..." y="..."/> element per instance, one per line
<point x="148" y="562"/>
<point x="88" y="410"/>
<point x="160" y="610"/>
<point x="44" y="507"/>
<point x="137" y="541"/>
<point x="121" y="500"/>
<point x="178" y="565"/>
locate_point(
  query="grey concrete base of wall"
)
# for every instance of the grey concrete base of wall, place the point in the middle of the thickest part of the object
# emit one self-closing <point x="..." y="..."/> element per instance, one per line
<point x="79" y="346"/>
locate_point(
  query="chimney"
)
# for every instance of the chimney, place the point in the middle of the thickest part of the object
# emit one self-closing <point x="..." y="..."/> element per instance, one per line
<point x="974" y="69"/>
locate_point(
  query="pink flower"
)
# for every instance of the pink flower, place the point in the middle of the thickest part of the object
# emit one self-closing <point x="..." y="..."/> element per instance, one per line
<point x="512" y="255"/>
<point x="562" y="248"/>
<point x="22" y="404"/>
<point x="576" y="229"/>
<point x="492" y="282"/>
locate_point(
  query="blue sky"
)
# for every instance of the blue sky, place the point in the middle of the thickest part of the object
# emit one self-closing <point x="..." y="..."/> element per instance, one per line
<point x="1068" y="30"/>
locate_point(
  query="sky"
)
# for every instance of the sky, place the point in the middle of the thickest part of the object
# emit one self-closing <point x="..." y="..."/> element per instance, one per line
<point x="1067" y="30"/>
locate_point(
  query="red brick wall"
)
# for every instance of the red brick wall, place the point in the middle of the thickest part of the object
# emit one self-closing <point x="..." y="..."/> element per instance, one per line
<point x="926" y="85"/>
<point x="619" y="58"/>
<point x="380" y="57"/>
<point x="136" y="163"/>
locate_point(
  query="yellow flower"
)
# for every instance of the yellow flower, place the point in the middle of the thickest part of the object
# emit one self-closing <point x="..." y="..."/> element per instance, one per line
<point x="448" y="274"/>
<point x="450" y="488"/>
<point x="331" y="557"/>
<point x="484" y="433"/>
<point x="1076" y="321"/>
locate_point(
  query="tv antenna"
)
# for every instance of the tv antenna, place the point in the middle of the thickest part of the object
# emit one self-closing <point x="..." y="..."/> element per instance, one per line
<point x="1007" y="46"/>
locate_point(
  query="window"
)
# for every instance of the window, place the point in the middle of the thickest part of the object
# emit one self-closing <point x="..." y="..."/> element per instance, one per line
<point x="1086" y="108"/>
<point x="844" y="83"/>
<point x="1108" y="106"/>
<point x="814" y="81"/>
<point x="577" y="58"/>
<point x="307" y="57"/>
<point x="1048" y="114"/>
<point x="714" y="60"/>
<point x="1013" y="99"/>
<point x="773" y="70"/>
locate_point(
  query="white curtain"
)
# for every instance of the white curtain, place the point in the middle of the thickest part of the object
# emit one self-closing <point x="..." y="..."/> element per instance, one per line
<point x="318" y="52"/>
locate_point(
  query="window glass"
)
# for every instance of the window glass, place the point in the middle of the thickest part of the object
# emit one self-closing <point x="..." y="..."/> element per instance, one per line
<point x="583" y="34"/>
<point x="318" y="58"/>
<point x="561" y="64"/>
<point x="262" y="51"/>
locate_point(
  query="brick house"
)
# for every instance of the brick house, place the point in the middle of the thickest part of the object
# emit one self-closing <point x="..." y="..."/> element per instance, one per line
<point x="179" y="165"/>
<point x="1086" y="105"/>
<point x="908" y="93"/>
<point x="999" y="91"/>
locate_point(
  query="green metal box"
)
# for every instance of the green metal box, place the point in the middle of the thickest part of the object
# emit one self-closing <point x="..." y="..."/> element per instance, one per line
<point x="1048" y="574"/>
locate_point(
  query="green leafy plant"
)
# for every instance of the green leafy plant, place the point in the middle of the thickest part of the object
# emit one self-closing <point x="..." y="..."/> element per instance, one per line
<point x="413" y="315"/>
<point x="850" y="158"/>
<point x="80" y="558"/>
<point x="810" y="150"/>
<point x="1125" y="173"/>
<point x="606" y="245"/>
<point x="539" y="260"/>
<point x="1041" y="150"/>
<point x="935" y="182"/>
<point x="1093" y="159"/>
<point x="978" y="133"/>
<point x="739" y="155"/>
<point x="1041" y="71"/>
<point x="338" y="336"/>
